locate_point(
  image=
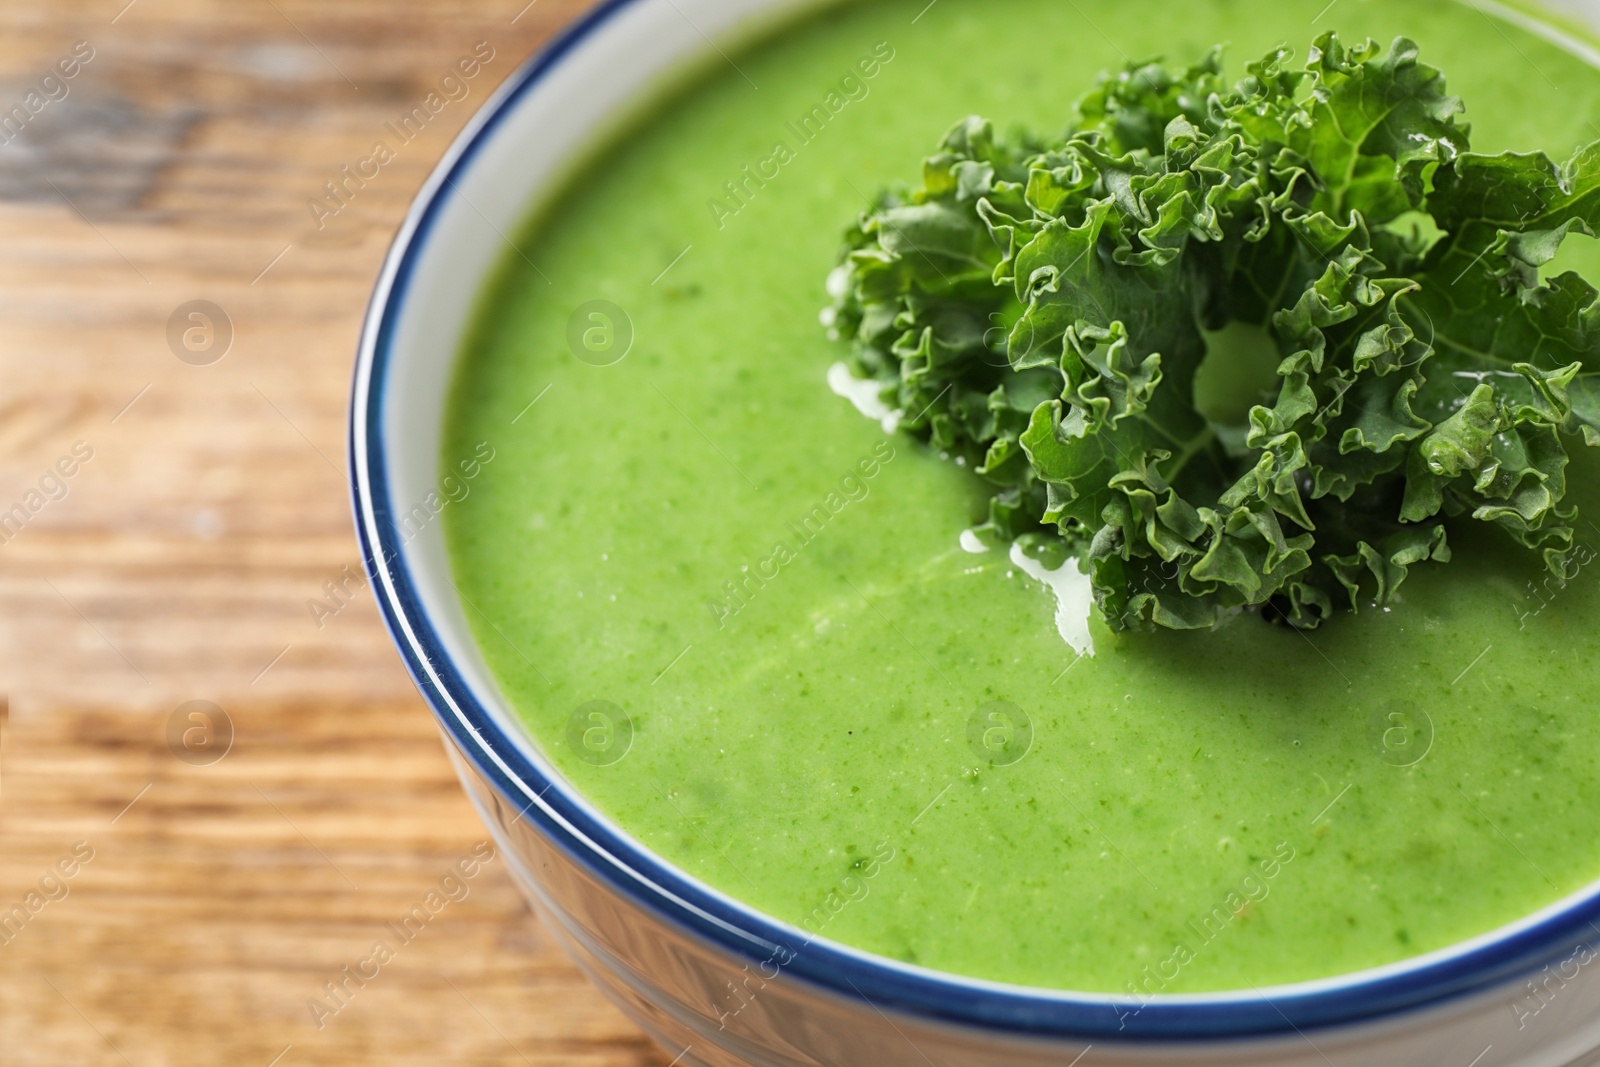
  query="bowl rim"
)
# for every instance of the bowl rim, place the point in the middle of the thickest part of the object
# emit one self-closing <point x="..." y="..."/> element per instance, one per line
<point x="1435" y="979"/>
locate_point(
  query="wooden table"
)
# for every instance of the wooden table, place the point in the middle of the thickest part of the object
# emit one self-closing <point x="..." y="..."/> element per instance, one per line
<point x="178" y="565"/>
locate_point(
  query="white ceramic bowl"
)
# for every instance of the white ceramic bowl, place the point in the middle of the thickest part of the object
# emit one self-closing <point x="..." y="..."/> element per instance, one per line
<point x="668" y="948"/>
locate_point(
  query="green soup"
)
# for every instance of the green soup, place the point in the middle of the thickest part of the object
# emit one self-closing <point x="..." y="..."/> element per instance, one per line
<point x="836" y="713"/>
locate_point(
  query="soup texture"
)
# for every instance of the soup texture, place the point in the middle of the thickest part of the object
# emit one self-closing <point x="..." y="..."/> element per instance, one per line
<point x="741" y="619"/>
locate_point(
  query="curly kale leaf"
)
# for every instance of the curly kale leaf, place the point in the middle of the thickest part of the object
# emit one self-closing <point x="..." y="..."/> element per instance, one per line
<point x="1039" y="310"/>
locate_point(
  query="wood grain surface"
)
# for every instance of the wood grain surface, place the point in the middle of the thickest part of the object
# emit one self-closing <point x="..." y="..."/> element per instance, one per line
<point x="176" y="563"/>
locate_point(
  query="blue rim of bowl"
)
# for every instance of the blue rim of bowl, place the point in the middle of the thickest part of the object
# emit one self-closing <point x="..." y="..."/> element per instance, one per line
<point x="1473" y="967"/>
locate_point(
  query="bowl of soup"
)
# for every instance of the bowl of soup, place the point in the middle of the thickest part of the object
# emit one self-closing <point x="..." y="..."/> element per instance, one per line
<point x="797" y="769"/>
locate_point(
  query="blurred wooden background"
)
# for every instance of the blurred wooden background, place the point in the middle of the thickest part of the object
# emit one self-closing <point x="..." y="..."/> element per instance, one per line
<point x="220" y="898"/>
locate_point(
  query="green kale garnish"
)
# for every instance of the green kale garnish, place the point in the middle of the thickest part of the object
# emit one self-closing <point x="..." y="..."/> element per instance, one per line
<point x="1039" y="310"/>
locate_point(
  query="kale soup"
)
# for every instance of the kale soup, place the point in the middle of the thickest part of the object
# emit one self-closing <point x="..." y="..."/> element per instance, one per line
<point x="834" y="616"/>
